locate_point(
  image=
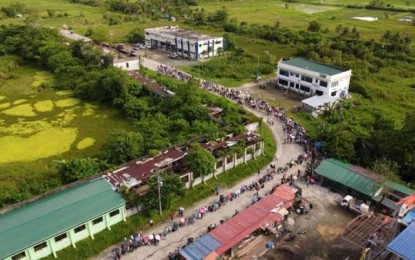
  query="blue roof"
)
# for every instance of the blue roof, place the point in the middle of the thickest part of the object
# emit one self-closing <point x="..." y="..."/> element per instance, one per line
<point x="200" y="248"/>
<point x="404" y="244"/>
<point x="409" y="217"/>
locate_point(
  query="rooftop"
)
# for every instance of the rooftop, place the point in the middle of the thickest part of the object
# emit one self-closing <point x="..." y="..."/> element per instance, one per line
<point x="357" y="178"/>
<point x="404" y="244"/>
<point x="35" y="222"/>
<point x="135" y="172"/>
<point x="180" y="33"/>
<point x="314" y="66"/>
<point x="74" y="36"/>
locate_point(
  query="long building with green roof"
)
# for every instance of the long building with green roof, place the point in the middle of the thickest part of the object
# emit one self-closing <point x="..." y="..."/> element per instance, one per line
<point x="59" y="220"/>
<point x="359" y="179"/>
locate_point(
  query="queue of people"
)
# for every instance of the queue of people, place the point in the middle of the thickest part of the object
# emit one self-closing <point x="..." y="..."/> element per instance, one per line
<point x="173" y="73"/>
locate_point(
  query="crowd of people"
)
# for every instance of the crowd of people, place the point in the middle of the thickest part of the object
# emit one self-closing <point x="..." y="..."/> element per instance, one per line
<point x="293" y="132"/>
<point x="173" y="73"/>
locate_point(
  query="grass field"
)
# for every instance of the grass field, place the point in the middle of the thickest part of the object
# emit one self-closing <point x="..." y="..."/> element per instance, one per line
<point x="39" y="124"/>
<point x="298" y="15"/>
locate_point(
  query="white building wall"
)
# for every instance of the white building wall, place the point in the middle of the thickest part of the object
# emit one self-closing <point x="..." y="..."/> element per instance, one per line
<point x="128" y="65"/>
<point x="336" y="84"/>
<point x="182" y="46"/>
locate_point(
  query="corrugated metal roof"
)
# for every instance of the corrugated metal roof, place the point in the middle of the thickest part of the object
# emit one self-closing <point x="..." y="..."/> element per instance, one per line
<point x="357" y="178"/>
<point x="404" y="244"/>
<point x="34" y="223"/>
<point x="314" y="66"/>
<point x="340" y="172"/>
<point x="200" y="248"/>
<point x="401" y="188"/>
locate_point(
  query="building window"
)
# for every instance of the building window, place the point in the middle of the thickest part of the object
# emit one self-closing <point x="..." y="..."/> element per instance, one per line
<point x="218" y="42"/>
<point x="323" y="83"/>
<point x="284" y="72"/>
<point x="333" y="94"/>
<point x="40" y="246"/>
<point x="127" y="65"/>
<point x="292" y="84"/>
<point x="297" y="86"/>
<point x="307" y="79"/>
<point x="80" y="228"/>
<point x="282" y="82"/>
<point x="335" y="84"/>
<point x="19" y="256"/>
<point x="114" y="213"/>
<point x="304" y="88"/>
<point x="97" y="220"/>
<point x="319" y="93"/>
<point x="61" y="237"/>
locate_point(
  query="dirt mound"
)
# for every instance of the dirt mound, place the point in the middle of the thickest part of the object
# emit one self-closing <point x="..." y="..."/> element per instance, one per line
<point x="284" y="252"/>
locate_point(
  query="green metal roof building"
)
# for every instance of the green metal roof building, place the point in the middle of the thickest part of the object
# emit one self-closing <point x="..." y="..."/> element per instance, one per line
<point x="314" y="66"/>
<point x="357" y="178"/>
<point x="59" y="220"/>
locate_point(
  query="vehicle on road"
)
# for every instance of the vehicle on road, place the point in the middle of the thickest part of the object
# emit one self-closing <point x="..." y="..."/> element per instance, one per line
<point x="173" y="56"/>
<point x="355" y="205"/>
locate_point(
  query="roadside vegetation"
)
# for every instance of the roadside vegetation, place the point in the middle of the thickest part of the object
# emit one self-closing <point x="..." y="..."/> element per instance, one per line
<point x="88" y="247"/>
<point x="84" y="72"/>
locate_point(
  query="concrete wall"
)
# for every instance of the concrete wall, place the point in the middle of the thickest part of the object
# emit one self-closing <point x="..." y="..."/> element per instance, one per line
<point x="231" y="164"/>
<point x="70" y="237"/>
<point x="128" y="65"/>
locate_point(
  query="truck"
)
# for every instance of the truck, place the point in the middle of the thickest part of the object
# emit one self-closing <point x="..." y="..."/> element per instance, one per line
<point x="355" y="205"/>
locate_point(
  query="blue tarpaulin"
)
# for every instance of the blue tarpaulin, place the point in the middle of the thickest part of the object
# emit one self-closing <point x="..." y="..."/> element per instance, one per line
<point x="200" y="248"/>
<point x="404" y="244"/>
<point x="409" y="217"/>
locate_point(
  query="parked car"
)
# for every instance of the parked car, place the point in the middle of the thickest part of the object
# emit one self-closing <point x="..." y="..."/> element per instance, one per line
<point x="173" y="56"/>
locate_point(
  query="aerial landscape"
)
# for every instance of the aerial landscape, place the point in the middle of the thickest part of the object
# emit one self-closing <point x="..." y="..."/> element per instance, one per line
<point x="207" y="129"/>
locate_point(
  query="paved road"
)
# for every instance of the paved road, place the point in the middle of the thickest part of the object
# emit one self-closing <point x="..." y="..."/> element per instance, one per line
<point x="285" y="153"/>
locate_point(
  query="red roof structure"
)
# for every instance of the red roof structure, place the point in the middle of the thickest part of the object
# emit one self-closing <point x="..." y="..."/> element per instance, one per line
<point x="264" y="212"/>
<point x="135" y="172"/>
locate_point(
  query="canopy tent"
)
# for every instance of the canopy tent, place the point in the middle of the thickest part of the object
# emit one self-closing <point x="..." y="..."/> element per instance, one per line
<point x="315" y="102"/>
<point x="409" y="218"/>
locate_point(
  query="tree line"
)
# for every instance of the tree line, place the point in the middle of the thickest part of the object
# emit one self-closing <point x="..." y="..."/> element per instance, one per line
<point x="158" y="122"/>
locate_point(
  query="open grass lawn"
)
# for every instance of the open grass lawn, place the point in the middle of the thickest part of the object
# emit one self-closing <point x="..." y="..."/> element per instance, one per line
<point x="39" y="125"/>
<point x="298" y="15"/>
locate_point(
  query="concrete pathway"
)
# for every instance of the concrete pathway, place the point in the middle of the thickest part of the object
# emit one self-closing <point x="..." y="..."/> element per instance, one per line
<point x="285" y="153"/>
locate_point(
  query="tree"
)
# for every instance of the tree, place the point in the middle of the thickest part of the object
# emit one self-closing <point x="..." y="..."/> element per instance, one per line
<point x="387" y="171"/>
<point x="171" y="188"/>
<point x="123" y="146"/>
<point x="200" y="161"/>
<point x="79" y="168"/>
<point x="135" y="36"/>
<point x="314" y="26"/>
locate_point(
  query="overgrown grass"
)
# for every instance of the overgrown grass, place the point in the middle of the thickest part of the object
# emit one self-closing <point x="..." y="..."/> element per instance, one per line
<point x="39" y="126"/>
<point x="88" y="247"/>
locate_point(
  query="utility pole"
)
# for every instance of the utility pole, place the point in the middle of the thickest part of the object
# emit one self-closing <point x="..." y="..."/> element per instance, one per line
<point x="257" y="71"/>
<point x="159" y="190"/>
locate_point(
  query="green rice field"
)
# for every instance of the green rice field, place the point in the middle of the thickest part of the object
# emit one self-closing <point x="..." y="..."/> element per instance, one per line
<point x="38" y="125"/>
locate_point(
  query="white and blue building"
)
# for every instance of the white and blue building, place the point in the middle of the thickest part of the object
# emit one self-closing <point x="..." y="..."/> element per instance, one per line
<point x="185" y="43"/>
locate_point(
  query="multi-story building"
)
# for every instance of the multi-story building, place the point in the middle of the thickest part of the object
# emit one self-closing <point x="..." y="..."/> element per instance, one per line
<point x="184" y="43"/>
<point x="312" y="78"/>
